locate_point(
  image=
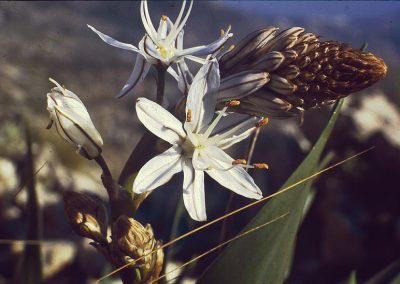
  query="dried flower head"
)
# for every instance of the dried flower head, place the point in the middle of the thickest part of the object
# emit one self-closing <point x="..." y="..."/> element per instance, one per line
<point x="86" y="215"/>
<point x="130" y="241"/>
<point x="303" y="72"/>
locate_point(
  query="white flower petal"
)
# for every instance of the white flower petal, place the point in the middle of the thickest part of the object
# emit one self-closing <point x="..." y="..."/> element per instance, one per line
<point x="114" y="42"/>
<point x="202" y="99"/>
<point x="193" y="192"/>
<point x="146" y="20"/>
<point x="185" y="77"/>
<point x="149" y="50"/>
<point x="164" y="28"/>
<point x="173" y="73"/>
<point x="235" y="179"/>
<point x="205" y="49"/>
<point x="177" y="29"/>
<point x="137" y="76"/>
<point x="179" y="40"/>
<point x="196" y="59"/>
<point x="159" y="121"/>
<point x="158" y="170"/>
<point x="234" y="134"/>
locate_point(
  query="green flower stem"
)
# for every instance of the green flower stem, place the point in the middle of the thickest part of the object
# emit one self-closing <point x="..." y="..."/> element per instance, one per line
<point x="120" y="199"/>
<point x="107" y="178"/>
<point x="147" y="147"/>
<point x="161" y="70"/>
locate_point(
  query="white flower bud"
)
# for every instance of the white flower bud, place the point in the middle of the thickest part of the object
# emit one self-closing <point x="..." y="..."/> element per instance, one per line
<point x="73" y="122"/>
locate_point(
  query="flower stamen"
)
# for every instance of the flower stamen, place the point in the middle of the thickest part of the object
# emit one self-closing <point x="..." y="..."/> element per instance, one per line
<point x="239" y="162"/>
<point x="189" y="115"/>
<point x="262" y="122"/>
<point x="261" y="166"/>
<point x="232" y="103"/>
<point x="215" y="122"/>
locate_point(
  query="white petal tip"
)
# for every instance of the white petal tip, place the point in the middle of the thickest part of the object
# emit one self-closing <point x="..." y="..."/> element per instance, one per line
<point x="121" y="95"/>
<point x="199" y="218"/>
<point x="138" y="190"/>
<point x="141" y="100"/>
<point x="125" y="90"/>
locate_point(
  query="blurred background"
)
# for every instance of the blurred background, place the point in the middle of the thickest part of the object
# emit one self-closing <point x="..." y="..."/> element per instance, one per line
<point x="354" y="221"/>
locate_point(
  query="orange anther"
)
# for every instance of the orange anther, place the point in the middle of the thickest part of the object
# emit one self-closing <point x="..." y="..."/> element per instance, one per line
<point x="233" y="103"/>
<point x="262" y="122"/>
<point x="189" y="115"/>
<point x="260" y="166"/>
<point x="239" y="162"/>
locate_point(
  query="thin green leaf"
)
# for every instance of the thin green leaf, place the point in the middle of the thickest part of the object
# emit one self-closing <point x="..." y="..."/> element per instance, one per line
<point x="388" y="275"/>
<point x="179" y="213"/>
<point x="311" y="195"/>
<point x="265" y="256"/>
<point x="352" y="278"/>
<point x="30" y="270"/>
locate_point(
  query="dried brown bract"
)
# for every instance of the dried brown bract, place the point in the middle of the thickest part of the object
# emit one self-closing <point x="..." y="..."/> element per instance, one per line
<point x="134" y="243"/>
<point x="86" y="215"/>
<point x="303" y="72"/>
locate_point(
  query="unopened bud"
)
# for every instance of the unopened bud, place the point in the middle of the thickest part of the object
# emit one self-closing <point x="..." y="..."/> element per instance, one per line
<point x="73" y="122"/>
<point x="239" y="85"/>
<point x="235" y="59"/>
<point x="86" y="215"/>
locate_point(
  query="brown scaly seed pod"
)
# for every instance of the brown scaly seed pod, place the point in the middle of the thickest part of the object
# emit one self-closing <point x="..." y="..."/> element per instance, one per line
<point x="134" y="243"/>
<point x="304" y="72"/>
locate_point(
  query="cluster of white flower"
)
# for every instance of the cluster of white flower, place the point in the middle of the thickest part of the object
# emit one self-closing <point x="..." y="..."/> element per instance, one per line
<point x="197" y="147"/>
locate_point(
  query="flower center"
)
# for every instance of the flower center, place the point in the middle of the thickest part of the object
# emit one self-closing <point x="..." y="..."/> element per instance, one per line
<point x="191" y="143"/>
<point x="165" y="52"/>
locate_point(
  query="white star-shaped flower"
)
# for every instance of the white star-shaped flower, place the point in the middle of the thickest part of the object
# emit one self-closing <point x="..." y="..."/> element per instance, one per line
<point x="164" y="45"/>
<point x="196" y="149"/>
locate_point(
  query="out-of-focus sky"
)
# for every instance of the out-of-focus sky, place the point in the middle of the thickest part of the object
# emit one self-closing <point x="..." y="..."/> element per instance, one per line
<point x="358" y="9"/>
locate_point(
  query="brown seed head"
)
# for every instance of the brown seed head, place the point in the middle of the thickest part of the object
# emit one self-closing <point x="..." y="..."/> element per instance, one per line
<point x="304" y="72"/>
